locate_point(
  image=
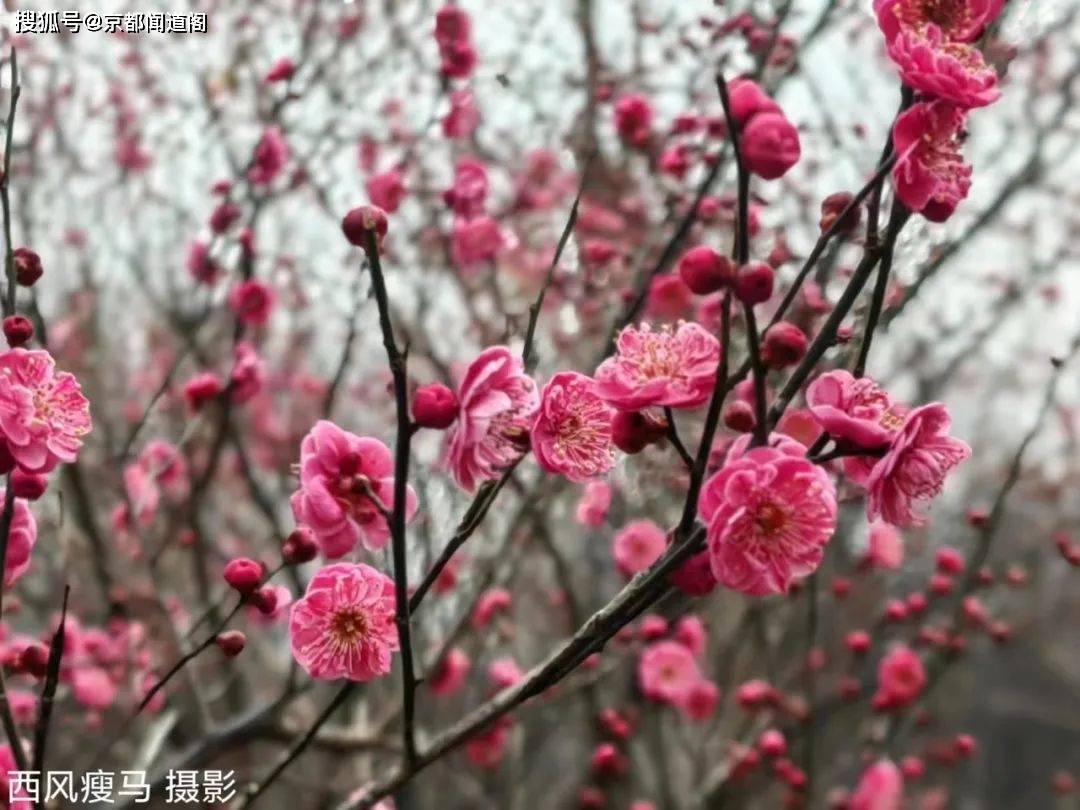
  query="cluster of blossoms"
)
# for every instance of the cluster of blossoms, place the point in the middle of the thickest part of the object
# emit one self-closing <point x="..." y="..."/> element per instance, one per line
<point x="911" y="451"/>
<point x="104" y="667"/>
<point x="43" y="419"/>
<point x="932" y="43"/>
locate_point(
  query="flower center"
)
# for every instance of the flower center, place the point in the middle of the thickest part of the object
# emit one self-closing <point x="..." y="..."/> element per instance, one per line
<point x="348" y="627"/>
<point x="770" y="518"/>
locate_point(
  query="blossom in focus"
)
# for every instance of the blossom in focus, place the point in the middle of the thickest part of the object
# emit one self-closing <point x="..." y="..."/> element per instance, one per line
<point x="343" y="626"/>
<point x="881" y="787"/>
<point x="673" y="367"/>
<point x="572" y="432"/>
<point x="498" y="402"/>
<point x="957" y="20"/>
<point x="637" y="546"/>
<point x="952" y="72"/>
<point x="340" y="473"/>
<point x="769" y="514"/>
<point x="43" y="413"/>
<point x="914" y="469"/>
<point x="854" y="410"/>
<point x="930" y="175"/>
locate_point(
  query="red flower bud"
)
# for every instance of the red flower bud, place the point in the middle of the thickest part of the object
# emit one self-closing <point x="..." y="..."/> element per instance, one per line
<point x="231" y="642"/>
<point x="739" y="416"/>
<point x="28" y="267"/>
<point x="705" y="271"/>
<point x="28" y="485"/>
<point x="831" y="209"/>
<point x="770" y="145"/>
<point x="434" y="406"/>
<point x="265" y="599"/>
<point x="754" y="283"/>
<point x="299" y="547"/>
<point x="784" y="345"/>
<point x="858" y="641"/>
<point x="360" y="220"/>
<point x="771" y="743"/>
<point x="224" y="216"/>
<point x="244" y="574"/>
<point x="202" y="388"/>
<point x="33" y="660"/>
<point x="18" y="330"/>
<point x="633" y="431"/>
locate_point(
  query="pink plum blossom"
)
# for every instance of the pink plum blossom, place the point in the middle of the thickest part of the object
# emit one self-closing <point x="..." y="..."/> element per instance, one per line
<point x="953" y="72"/>
<point x="881" y="787"/>
<point x="769" y="515"/>
<point x="43" y="413"/>
<point x="252" y="301"/>
<point x="930" y="175"/>
<point x="340" y="473"/>
<point x="592" y="508"/>
<point x="854" y="410"/>
<point x="637" y="546"/>
<point x="667" y="672"/>
<point x="22" y="536"/>
<point x="572" y="432"/>
<point x="343" y="626"/>
<point x="673" y="367"/>
<point x="498" y="402"/>
<point x="271" y="154"/>
<point x="914" y="469"/>
<point x="901" y="678"/>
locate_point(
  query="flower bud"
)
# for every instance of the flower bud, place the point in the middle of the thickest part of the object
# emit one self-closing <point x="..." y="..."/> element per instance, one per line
<point x="28" y="485"/>
<point x="747" y="99"/>
<point x="784" y="345"/>
<point x="633" y="431"/>
<point x="18" y="330"/>
<point x="224" y="216"/>
<point x="231" y="642"/>
<point x="28" y="267"/>
<point x="858" y="641"/>
<point x="299" y="547"/>
<point x="831" y="209"/>
<point x="265" y="599"/>
<point x="360" y="220"/>
<point x="739" y="416"/>
<point x="244" y="574"/>
<point x="33" y="660"/>
<point x="705" y="271"/>
<point x="770" y="145"/>
<point x="771" y="743"/>
<point x="754" y="283"/>
<point x="434" y="406"/>
<point x="202" y="388"/>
